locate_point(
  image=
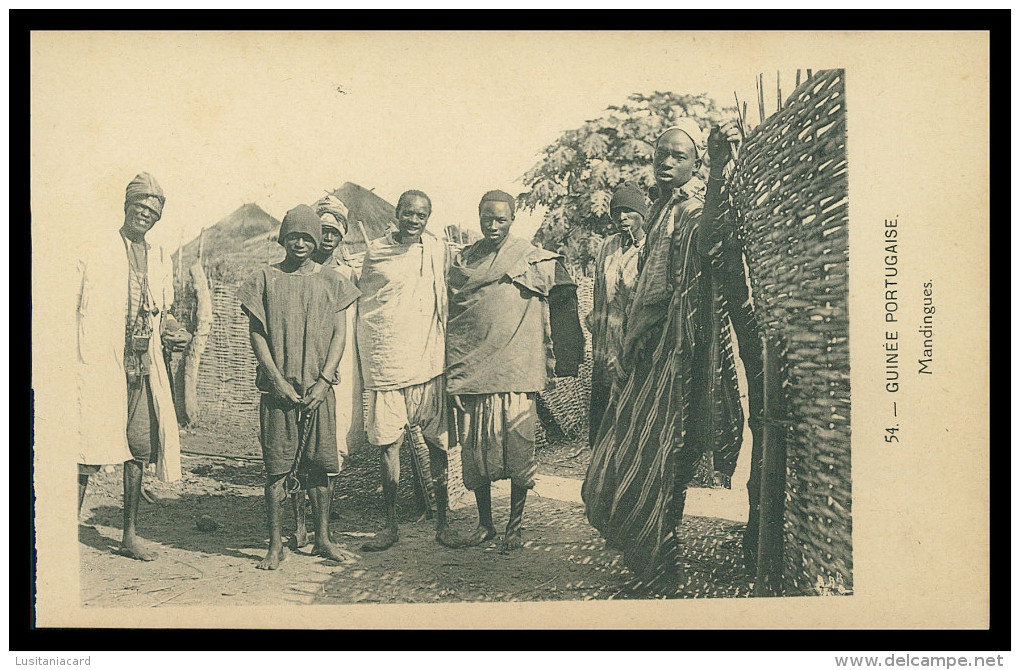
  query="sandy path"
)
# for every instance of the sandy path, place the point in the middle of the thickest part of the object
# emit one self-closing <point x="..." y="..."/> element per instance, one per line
<point x="563" y="556"/>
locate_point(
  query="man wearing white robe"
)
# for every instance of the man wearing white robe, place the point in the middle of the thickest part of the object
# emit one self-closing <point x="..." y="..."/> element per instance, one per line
<point x="123" y="403"/>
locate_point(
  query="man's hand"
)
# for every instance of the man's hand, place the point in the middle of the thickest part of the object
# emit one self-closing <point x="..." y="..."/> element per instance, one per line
<point x="176" y="340"/>
<point x="283" y="389"/>
<point x="458" y="403"/>
<point x="720" y="140"/>
<point x="315" y="395"/>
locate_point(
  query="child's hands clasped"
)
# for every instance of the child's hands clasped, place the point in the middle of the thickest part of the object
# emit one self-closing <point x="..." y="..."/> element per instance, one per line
<point x="285" y="390"/>
<point x="315" y="395"/>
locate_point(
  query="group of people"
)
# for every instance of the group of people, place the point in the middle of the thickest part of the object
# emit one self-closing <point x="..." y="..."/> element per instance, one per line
<point x="442" y="347"/>
<point x="436" y="342"/>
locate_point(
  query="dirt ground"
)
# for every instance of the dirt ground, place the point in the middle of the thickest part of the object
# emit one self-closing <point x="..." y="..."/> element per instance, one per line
<point x="563" y="559"/>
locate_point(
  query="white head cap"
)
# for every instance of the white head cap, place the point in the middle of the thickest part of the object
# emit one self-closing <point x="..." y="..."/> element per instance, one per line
<point x="689" y="127"/>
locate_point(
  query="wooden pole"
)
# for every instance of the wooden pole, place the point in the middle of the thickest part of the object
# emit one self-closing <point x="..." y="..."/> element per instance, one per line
<point x="798" y="78"/>
<point x="761" y="98"/>
<point x="779" y="93"/>
<point x="201" y="244"/>
<point x="180" y="261"/>
<point x="740" y="117"/>
<point x="195" y="349"/>
<point x="773" y="479"/>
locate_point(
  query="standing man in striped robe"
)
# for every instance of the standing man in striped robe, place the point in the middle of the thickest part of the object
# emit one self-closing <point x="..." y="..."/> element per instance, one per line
<point x="677" y="384"/>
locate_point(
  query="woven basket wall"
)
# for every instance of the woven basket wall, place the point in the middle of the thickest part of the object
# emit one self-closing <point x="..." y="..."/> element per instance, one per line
<point x="227" y="397"/>
<point x="563" y="409"/>
<point x="789" y="201"/>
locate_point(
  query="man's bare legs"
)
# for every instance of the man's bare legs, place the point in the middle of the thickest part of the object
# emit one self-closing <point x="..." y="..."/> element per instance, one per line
<point x="439" y="469"/>
<point x="130" y="545"/>
<point x="486" y="530"/>
<point x="275" y="493"/>
<point x="389" y="461"/>
<point x="512" y="537"/>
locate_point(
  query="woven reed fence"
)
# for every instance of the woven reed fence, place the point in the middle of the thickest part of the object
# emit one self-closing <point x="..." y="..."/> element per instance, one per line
<point x="788" y="198"/>
<point x="227" y="397"/>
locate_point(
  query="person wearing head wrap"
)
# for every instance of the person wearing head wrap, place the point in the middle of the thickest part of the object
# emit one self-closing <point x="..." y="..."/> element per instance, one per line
<point x="123" y="402"/>
<point x="677" y="394"/>
<point x="298" y="333"/>
<point x="333" y="213"/>
<point x="616" y="273"/>
<point x="513" y="324"/>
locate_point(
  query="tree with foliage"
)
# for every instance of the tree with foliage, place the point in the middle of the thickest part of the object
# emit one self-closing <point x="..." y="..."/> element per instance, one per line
<point x="577" y="174"/>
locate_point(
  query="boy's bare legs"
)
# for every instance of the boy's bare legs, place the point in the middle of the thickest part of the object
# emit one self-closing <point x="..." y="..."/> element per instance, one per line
<point x="130" y="545"/>
<point x="389" y="461"/>
<point x="275" y="494"/>
<point x="321" y="493"/>
<point x="485" y="531"/>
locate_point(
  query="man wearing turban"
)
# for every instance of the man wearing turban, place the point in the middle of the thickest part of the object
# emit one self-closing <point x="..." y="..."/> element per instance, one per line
<point x="123" y="400"/>
<point x="616" y="273"/>
<point x="513" y="324"/>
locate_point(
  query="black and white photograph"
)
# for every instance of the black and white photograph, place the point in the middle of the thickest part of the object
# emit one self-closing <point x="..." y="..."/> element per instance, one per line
<point x="332" y="321"/>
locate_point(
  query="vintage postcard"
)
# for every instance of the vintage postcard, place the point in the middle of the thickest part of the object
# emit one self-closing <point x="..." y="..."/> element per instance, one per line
<point x="511" y="329"/>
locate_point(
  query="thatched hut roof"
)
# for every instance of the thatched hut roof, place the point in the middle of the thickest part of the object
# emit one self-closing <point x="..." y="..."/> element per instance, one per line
<point x="375" y="214"/>
<point x="245" y="240"/>
<point x="236" y="245"/>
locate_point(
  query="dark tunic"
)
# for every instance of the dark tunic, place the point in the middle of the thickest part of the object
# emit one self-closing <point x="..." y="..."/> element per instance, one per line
<point x="297" y="313"/>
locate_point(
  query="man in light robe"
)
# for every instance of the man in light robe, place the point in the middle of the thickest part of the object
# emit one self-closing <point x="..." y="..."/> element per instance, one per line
<point x="616" y="273"/>
<point x="123" y="401"/>
<point x="401" y="342"/>
<point x="513" y="325"/>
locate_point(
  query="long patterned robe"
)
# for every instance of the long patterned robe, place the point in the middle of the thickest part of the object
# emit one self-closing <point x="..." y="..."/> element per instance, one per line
<point x="680" y="396"/>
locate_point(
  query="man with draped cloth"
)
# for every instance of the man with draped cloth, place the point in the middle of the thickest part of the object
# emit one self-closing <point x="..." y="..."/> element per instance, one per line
<point x="401" y="341"/>
<point x="676" y="388"/>
<point x="513" y="324"/>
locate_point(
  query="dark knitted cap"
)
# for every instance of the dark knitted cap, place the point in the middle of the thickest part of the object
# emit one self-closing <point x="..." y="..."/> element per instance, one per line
<point x="301" y="219"/>
<point x="629" y="196"/>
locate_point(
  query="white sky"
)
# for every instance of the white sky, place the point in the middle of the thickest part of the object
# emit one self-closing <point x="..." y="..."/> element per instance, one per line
<point x="221" y="119"/>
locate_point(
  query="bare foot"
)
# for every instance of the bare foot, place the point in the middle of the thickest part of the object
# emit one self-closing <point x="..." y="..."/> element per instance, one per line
<point x="447" y="537"/>
<point x="131" y="548"/>
<point x="298" y="540"/>
<point x="479" y="535"/>
<point x="332" y="552"/>
<point x="273" y="558"/>
<point x="382" y="541"/>
<point x="512" y="542"/>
